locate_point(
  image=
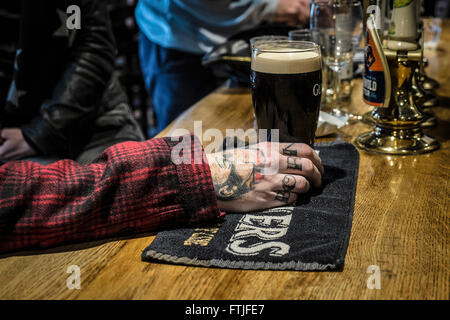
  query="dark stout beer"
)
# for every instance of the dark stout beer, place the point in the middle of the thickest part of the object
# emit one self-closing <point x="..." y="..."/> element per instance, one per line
<point x="286" y="92"/>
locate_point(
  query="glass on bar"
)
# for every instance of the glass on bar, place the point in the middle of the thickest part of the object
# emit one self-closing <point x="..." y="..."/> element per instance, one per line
<point x="300" y="35"/>
<point x="286" y="81"/>
<point x="337" y="27"/>
<point x="265" y="38"/>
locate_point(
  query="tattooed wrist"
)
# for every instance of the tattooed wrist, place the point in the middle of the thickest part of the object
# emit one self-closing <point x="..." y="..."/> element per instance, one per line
<point x="236" y="177"/>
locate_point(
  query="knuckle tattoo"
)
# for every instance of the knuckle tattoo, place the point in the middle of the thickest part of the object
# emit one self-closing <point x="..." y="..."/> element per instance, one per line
<point x="288" y="185"/>
<point x="290" y="150"/>
<point x="294" y="163"/>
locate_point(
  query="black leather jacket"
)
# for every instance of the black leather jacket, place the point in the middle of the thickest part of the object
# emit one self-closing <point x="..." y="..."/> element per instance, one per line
<point x="64" y="90"/>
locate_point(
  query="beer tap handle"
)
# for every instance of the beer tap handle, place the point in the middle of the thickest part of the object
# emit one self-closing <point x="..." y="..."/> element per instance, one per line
<point x="378" y="46"/>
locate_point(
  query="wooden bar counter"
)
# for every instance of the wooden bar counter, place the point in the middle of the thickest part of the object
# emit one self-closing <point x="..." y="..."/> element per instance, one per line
<point x="400" y="224"/>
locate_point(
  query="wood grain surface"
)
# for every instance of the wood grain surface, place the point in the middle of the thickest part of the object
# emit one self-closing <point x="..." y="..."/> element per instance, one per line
<point x="400" y="224"/>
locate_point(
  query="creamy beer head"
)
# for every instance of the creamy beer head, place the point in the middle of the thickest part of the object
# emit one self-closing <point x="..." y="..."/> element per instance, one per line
<point x="285" y="61"/>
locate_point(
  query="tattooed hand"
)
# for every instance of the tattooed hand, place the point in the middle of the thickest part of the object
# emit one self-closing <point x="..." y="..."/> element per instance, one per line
<point x="244" y="179"/>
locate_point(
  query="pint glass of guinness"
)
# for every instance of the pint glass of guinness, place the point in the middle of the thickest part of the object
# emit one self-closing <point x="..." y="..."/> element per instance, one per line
<point x="286" y="79"/>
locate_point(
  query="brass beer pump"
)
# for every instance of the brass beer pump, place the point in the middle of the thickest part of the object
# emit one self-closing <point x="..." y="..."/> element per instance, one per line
<point x="426" y="99"/>
<point x="428" y="84"/>
<point x="398" y="121"/>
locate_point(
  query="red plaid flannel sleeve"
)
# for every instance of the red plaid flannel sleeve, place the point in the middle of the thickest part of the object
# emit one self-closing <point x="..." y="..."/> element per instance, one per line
<point x="133" y="187"/>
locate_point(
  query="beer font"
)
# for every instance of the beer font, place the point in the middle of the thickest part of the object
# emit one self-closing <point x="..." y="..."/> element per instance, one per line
<point x="397" y="117"/>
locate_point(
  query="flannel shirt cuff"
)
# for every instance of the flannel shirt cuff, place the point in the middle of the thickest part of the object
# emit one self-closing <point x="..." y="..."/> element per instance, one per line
<point x="197" y="194"/>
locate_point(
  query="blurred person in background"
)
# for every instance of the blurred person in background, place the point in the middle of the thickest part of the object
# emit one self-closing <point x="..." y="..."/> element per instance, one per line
<point x="60" y="98"/>
<point x="175" y="34"/>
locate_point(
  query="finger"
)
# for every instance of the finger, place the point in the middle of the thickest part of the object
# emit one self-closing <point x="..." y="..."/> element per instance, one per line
<point x="301" y="150"/>
<point x="282" y="198"/>
<point x="301" y="166"/>
<point x="291" y="183"/>
<point x="282" y="188"/>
